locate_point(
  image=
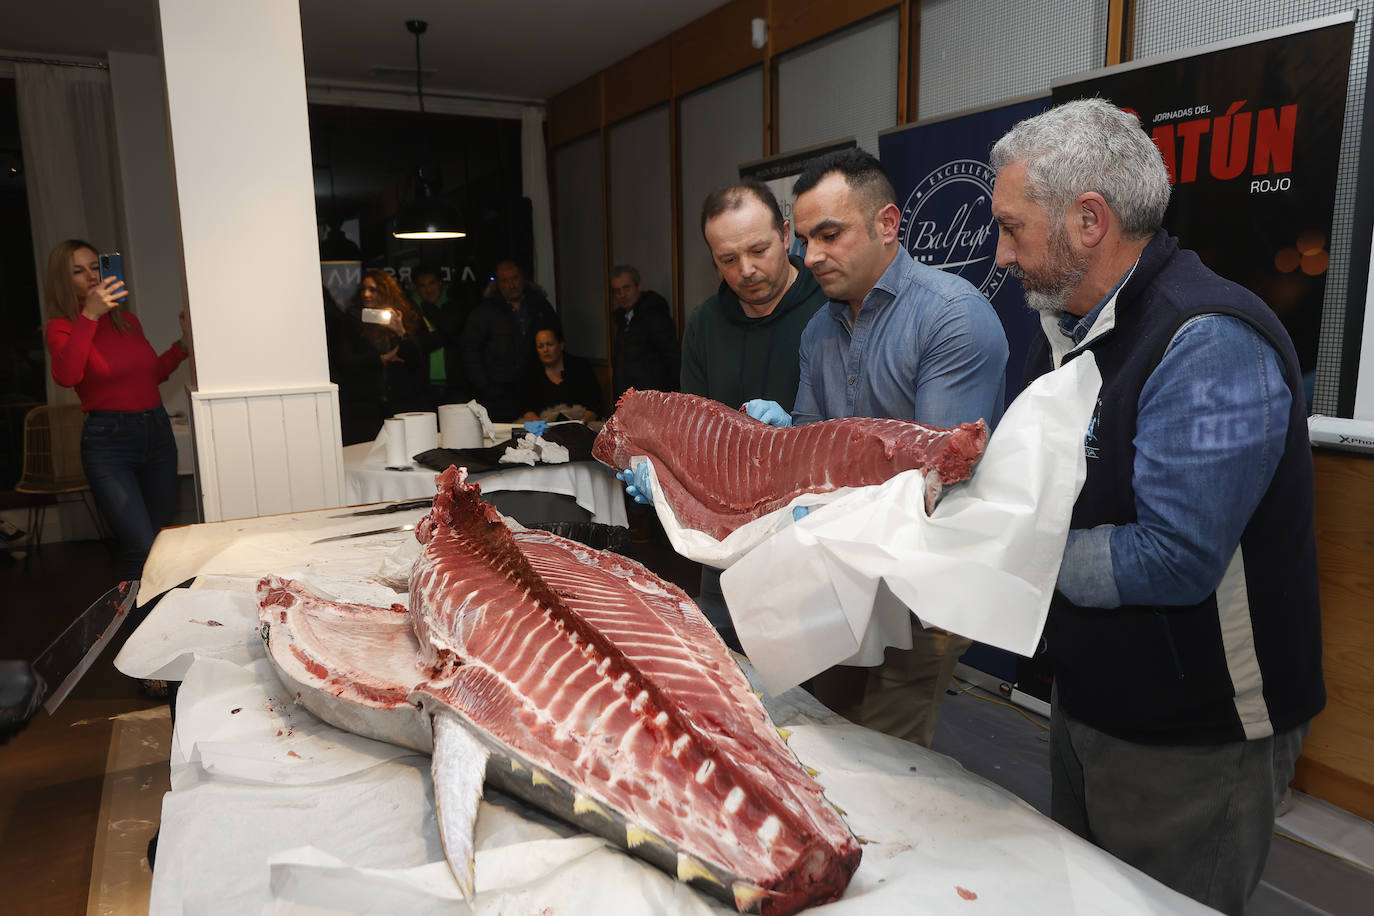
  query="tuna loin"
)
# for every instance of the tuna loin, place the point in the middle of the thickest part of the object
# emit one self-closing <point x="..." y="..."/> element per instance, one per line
<point x="602" y="695"/>
<point x="720" y="469"/>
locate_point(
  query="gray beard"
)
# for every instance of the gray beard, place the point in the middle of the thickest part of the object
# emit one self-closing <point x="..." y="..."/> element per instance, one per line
<point x="1049" y="290"/>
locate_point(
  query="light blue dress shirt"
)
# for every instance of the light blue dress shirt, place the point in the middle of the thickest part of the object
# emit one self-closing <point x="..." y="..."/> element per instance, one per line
<point x="927" y="346"/>
<point x="1210" y="428"/>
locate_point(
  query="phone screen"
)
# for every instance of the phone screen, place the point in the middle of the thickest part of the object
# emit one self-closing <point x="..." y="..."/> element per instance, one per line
<point x="112" y="265"/>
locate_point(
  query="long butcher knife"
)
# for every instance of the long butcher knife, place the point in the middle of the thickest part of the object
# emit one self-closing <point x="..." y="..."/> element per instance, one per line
<point x="391" y="507"/>
<point x="363" y="534"/>
<point x="71" y="655"/>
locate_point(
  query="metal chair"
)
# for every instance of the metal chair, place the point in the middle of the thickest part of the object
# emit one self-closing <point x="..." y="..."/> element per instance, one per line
<point x="52" y="465"/>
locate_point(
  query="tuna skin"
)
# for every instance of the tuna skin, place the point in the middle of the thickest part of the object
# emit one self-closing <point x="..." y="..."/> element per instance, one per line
<point x="720" y="469"/>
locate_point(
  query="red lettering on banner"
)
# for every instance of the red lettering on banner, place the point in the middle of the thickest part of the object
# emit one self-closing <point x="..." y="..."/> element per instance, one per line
<point x="1191" y="132"/>
<point x="1274" y="139"/>
<point x="1230" y="143"/>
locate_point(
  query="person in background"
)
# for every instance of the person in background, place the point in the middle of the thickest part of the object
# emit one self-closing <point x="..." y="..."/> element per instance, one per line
<point x="444" y="318"/>
<point x="356" y="367"/>
<point x="644" y="348"/>
<point x="897" y="339"/>
<point x="127" y="449"/>
<point x="498" y="340"/>
<point x="1185" y="631"/>
<point x="556" y="377"/>
<point x="399" y="339"/>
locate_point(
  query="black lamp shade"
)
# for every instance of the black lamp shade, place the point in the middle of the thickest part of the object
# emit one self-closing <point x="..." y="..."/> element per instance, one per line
<point x="427" y="217"/>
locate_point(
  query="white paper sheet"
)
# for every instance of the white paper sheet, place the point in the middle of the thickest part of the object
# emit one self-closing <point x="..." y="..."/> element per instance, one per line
<point x="358" y="834"/>
<point x="983" y="564"/>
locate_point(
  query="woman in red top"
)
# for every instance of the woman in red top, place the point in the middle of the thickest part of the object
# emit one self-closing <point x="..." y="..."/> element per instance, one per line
<point x="127" y="449"/>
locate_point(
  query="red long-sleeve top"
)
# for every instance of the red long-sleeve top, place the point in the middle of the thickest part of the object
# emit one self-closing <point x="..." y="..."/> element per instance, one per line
<point x="110" y="370"/>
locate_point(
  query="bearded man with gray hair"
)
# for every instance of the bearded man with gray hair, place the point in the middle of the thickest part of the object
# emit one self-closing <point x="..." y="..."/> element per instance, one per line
<point x="1185" y="632"/>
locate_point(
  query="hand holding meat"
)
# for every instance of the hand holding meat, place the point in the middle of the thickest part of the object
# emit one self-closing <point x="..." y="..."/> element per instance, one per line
<point x="638" y="486"/>
<point x="769" y="412"/>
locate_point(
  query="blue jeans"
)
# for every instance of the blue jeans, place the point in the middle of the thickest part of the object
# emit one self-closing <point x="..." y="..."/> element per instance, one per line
<point x="130" y="459"/>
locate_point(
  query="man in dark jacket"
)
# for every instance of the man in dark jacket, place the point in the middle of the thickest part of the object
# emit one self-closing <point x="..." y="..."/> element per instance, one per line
<point x="644" y="350"/>
<point x="498" y="340"/>
<point x="1185" y="630"/>
<point x="741" y="343"/>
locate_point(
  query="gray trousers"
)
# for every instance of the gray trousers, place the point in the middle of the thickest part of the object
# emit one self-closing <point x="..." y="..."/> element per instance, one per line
<point x="1198" y="818"/>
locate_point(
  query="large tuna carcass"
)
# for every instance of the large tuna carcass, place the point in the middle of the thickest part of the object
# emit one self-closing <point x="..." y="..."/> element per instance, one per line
<point x="720" y="469"/>
<point x="580" y="682"/>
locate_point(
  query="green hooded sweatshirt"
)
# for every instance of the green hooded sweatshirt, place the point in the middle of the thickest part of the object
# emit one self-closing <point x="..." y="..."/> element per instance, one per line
<point x="732" y="358"/>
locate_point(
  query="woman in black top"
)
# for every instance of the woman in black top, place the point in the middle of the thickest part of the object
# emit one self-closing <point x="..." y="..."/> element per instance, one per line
<point x="560" y="378"/>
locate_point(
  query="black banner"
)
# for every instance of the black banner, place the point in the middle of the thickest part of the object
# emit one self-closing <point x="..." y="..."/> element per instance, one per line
<point x="1251" y="135"/>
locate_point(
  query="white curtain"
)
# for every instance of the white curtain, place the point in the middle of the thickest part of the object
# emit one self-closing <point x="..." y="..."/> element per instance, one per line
<point x="66" y="129"/>
<point x="535" y="176"/>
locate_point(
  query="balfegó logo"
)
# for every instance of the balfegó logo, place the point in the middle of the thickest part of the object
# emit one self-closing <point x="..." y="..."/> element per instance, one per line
<point x="947" y="223"/>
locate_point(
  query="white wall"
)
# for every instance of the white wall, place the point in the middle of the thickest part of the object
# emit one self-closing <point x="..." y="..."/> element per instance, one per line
<point x="264" y="411"/>
<point x="152" y="256"/>
<point x="245" y="191"/>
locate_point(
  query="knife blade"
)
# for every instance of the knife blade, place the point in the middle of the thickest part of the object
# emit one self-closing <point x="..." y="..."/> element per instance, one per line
<point x="391" y="507"/>
<point x="71" y="655"/>
<point x="363" y="534"/>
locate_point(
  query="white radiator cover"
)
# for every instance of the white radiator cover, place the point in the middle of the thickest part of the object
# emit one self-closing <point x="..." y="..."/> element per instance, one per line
<point x="266" y="452"/>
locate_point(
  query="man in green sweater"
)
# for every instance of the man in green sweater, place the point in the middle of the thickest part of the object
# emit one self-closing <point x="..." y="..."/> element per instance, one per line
<point x="742" y="343"/>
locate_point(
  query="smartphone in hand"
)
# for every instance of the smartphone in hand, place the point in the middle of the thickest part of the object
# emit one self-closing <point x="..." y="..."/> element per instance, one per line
<point x="112" y="265"/>
<point x="377" y="316"/>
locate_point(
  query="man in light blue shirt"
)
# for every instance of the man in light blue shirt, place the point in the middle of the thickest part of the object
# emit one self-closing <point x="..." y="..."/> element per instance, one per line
<point x="897" y="339"/>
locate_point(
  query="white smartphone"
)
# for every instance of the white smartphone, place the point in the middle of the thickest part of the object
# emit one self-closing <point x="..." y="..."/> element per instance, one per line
<point x="377" y="316"/>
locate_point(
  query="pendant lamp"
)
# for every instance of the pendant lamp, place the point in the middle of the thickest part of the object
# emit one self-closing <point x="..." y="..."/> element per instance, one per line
<point x="425" y="217"/>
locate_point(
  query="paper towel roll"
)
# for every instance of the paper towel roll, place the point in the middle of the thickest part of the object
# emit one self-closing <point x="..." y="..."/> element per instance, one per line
<point x="422" y="432"/>
<point x="459" y="427"/>
<point x="396" y="454"/>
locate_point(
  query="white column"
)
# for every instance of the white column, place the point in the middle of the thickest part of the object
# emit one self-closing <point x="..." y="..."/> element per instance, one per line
<point x="264" y="411"/>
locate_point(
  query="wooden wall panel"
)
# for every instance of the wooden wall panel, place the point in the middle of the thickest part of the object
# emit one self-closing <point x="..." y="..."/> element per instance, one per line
<point x="716" y="46"/>
<point x="575" y="111"/>
<point x="1337" y="763"/>
<point x="799" y="21"/>
<point x="639" y="82"/>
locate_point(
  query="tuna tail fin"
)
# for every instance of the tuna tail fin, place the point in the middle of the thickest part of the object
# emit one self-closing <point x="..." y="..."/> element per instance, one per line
<point x="458" y="768"/>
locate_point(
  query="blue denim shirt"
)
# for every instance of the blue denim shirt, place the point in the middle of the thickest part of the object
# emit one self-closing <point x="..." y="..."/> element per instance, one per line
<point x="1194" y="491"/>
<point x="926" y="346"/>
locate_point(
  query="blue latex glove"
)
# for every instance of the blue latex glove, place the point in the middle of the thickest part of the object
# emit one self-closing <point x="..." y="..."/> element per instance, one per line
<point x="637" y="484"/>
<point x="536" y="426"/>
<point x="799" y="513"/>
<point x="769" y="412"/>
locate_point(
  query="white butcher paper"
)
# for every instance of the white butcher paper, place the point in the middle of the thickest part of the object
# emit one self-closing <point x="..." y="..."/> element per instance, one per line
<point x="347" y="840"/>
<point x="983" y="564"/>
<point x="254" y="547"/>
<point x="186" y="623"/>
<point x="238" y="722"/>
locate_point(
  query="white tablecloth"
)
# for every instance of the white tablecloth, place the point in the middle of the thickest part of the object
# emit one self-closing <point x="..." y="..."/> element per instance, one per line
<point x="274" y="812"/>
<point x="591" y="484"/>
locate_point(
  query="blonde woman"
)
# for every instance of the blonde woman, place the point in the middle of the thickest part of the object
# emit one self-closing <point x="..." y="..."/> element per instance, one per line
<point x="98" y="348"/>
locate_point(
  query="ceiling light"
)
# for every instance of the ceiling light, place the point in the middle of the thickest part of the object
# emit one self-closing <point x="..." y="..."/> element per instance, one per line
<point x="426" y="217"/>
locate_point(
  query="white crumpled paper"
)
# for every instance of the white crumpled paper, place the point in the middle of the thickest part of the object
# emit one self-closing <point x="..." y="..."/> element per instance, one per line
<point x="531" y="448"/>
<point x="983" y="564"/>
